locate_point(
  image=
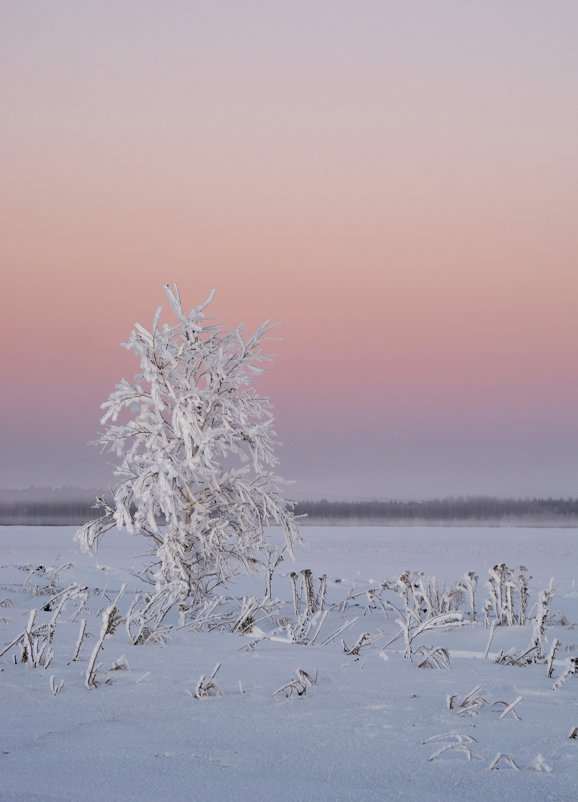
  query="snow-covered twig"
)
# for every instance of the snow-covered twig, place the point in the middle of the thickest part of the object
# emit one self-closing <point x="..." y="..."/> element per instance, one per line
<point x="110" y="620"/>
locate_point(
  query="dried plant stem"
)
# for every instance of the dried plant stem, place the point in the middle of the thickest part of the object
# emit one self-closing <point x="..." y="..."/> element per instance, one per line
<point x="109" y="623"/>
<point x="79" y="640"/>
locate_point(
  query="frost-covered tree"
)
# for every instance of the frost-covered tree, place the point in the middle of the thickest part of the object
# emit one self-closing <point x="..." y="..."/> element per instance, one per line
<point x="194" y="447"/>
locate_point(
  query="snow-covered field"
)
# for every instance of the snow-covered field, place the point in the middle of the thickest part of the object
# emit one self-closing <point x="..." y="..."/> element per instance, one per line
<point x="371" y="724"/>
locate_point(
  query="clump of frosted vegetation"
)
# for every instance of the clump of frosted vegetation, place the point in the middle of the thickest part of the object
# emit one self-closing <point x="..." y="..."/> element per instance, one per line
<point x="194" y="444"/>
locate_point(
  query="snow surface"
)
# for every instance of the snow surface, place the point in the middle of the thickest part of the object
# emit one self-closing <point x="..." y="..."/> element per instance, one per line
<point x="358" y="733"/>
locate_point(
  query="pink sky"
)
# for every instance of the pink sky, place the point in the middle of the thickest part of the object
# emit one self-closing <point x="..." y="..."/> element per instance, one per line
<point x="394" y="181"/>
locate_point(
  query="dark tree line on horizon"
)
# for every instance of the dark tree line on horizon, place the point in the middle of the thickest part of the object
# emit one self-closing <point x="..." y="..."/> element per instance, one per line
<point x="37" y="508"/>
<point x="474" y="508"/>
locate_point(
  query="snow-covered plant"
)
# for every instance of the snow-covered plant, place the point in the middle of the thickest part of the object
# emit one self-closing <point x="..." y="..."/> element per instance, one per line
<point x="542" y="612"/>
<point x="433" y="657"/>
<point x="207" y="689"/>
<point x="78" y="645"/>
<point x="35" y="644"/>
<point x="58" y="602"/>
<point x="252" y="613"/>
<point x="469" y="583"/>
<point x="314" y="599"/>
<point x="508" y="707"/>
<point x="363" y="640"/>
<point x="405" y="587"/>
<point x="452" y="741"/>
<point x="411" y="626"/>
<point x="469" y="705"/>
<point x="299" y="631"/>
<point x="111" y="618"/>
<point x="297" y="687"/>
<point x="571" y="667"/>
<point x="552" y="656"/>
<point x="56" y="687"/>
<point x="512" y="658"/>
<point x="144" y="620"/>
<point x="194" y="446"/>
<point x="433" y="600"/>
<point x="505" y="586"/>
<point x="522" y="582"/>
<point x="505" y="760"/>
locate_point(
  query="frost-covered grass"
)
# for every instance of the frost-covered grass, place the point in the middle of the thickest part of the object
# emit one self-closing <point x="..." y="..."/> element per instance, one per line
<point x="310" y="697"/>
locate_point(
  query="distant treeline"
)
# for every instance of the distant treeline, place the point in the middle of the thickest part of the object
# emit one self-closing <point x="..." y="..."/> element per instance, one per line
<point x="39" y="506"/>
<point x="73" y="506"/>
<point x="447" y="510"/>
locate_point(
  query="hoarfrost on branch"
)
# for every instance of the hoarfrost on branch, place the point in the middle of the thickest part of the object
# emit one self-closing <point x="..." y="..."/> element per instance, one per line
<point x="194" y="448"/>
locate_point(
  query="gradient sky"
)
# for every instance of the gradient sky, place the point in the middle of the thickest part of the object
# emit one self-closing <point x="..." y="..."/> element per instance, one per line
<point x="395" y="181"/>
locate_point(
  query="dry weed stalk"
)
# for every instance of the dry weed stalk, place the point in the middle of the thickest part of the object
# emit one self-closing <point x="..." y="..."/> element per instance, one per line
<point x="503" y="758"/>
<point x="454" y="742"/>
<point x="504" y="586"/>
<point x="542" y="613"/>
<point x="433" y="657"/>
<point x="314" y="599"/>
<point x="111" y="618"/>
<point x="552" y="656"/>
<point x="35" y="648"/>
<point x="144" y="625"/>
<point x="297" y="687"/>
<point x="513" y="659"/>
<point x="207" y="689"/>
<point x="363" y="640"/>
<point x="79" y="640"/>
<point x="571" y="668"/>
<point x="412" y="627"/>
<point x="470" y="705"/>
<point x="509" y="708"/>
<point x="56" y="687"/>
